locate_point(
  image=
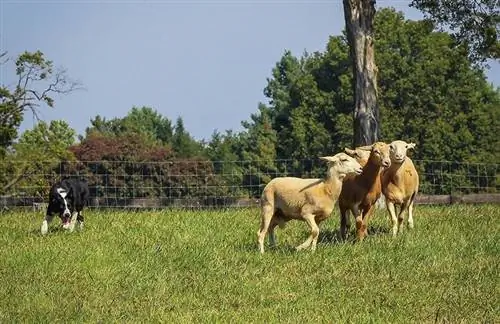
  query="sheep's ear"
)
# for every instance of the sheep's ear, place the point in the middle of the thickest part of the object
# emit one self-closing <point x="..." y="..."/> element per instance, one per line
<point x="329" y="159"/>
<point x="410" y="145"/>
<point x="365" y="148"/>
<point x="349" y="151"/>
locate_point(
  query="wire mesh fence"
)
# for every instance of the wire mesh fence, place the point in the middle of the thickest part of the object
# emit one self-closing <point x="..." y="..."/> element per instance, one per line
<point x="205" y="183"/>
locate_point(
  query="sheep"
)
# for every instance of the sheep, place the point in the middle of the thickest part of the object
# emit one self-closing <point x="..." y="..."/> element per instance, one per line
<point x="360" y="192"/>
<point x="400" y="184"/>
<point x="359" y="153"/>
<point x="362" y="155"/>
<point x="309" y="200"/>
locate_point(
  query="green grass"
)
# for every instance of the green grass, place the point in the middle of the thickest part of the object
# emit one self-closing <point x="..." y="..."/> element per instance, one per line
<point x="200" y="266"/>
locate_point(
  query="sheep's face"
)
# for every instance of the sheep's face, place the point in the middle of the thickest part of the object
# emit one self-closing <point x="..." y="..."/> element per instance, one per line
<point x="380" y="154"/>
<point x="361" y="155"/>
<point x="398" y="151"/>
<point x="343" y="164"/>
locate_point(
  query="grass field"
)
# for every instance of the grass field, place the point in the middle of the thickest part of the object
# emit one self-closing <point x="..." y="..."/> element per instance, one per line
<point x="204" y="266"/>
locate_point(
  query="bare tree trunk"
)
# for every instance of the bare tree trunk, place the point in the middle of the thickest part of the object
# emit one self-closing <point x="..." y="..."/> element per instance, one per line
<point x="359" y="16"/>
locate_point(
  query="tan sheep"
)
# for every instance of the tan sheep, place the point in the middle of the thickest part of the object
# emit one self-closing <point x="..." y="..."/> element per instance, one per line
<point x="309" y="200"/>
<point x="361" y="155"/>
<point x="400" y="184"/>
<point x="360" y="192"/>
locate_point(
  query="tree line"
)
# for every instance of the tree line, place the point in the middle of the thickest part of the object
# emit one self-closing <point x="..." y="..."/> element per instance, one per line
<point x="429" y="92"/>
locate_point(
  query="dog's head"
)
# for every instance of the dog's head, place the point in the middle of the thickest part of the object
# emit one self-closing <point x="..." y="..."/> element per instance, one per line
<point x="62" y="201"/>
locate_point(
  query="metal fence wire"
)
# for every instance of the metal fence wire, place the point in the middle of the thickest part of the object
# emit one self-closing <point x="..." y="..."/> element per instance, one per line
<point x="205" y="183"/>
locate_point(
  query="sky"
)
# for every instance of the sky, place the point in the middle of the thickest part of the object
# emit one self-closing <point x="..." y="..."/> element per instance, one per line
<point x="206" y="61"/>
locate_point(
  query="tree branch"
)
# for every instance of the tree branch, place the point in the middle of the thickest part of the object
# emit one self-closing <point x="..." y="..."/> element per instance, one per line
<point x="17" y="178"/>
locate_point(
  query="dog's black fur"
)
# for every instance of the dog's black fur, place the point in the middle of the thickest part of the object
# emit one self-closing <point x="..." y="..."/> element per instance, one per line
<point x="76" y="195"/>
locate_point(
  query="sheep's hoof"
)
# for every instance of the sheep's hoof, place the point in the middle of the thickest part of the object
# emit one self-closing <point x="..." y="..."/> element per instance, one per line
<point x="300" y="248"/>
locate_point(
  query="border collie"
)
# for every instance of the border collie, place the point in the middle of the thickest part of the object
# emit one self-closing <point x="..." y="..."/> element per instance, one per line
<point x="66" y="199"/>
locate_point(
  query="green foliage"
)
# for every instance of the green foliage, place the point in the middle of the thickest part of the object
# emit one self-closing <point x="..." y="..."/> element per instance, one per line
<point x="204" y="267"/>
<point x="429" y="93"/>
<point x="36" y="84"/>
<point x="224" y="150"/>
<point x="310" y="101"/>
<point x="35" y="158"/>
<point x="258" y="150"/>
<point x="183" y="144"/>
<point x="10" y="119"/>
<point x="152" y="128"/>
<point x="474" y="23"/>
<point x="145" y="121"/>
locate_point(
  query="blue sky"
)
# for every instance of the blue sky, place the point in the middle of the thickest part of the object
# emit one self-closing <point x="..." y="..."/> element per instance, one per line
<point x="206" y="61"/>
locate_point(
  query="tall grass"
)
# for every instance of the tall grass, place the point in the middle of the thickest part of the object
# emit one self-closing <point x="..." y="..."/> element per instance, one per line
<point x="204" y="266"/>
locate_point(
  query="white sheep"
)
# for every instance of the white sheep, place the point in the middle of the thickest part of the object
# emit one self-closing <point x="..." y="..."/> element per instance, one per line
<point x="309" y="200"/>
<point x="400" y="184"/>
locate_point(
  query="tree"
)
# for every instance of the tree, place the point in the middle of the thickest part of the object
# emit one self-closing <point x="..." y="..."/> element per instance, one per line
<point x="474" y="23"/>
<point x="259" y="150"/>
<point x="127" y="166"/>
<point x="101" y="125"/>
<point x="359" y="16"/>
<point x="224" y="150"/>
<point x="36" y="83"/>
<point x="431" y="94"/>
<point x="183" y="144"/>
<point x="143" y="120"/>
<point x="310" y="104"/>
<point x="37" y="154"/>
<point x="147" y="120"/>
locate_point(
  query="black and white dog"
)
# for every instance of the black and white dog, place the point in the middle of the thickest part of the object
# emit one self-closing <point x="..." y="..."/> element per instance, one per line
<point x="66" y="199"/>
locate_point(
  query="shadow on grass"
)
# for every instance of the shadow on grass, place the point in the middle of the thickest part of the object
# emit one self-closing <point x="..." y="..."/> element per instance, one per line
<point x="333" y="236"/>
<point x="54" y="230"/>
<point x="327" y="237"/>
<point x="378" y="230"/>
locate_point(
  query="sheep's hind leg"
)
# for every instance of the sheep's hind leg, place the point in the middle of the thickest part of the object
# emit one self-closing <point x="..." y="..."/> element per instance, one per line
<point x="410" y="213"/>
<point x="313" y="237"/>
<point x="272" y="234"/>
<point x="401" y="216"/>
<point x="266" y="217"/>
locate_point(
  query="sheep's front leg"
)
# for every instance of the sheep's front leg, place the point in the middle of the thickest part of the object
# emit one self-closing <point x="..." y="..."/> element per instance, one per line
<point x="362" y="222"/>
<point x="392" y="214"/>
<point x="358" y="216"/>
<point x="345" y="222"/>
<point x="266" y="216"/>
<point x="313" y="237"/>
